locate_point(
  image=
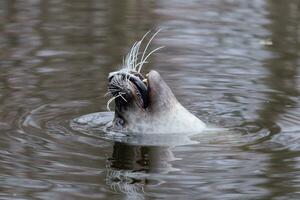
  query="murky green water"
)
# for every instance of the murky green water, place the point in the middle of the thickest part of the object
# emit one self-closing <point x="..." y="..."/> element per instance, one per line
<point x="235" y="64"/>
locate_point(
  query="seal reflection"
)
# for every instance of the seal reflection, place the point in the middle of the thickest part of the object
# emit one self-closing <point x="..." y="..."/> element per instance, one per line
<point x="130" y="167"/>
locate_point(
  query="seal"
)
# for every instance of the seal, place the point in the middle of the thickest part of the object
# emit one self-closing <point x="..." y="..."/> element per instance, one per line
<point x="146" y="104"/>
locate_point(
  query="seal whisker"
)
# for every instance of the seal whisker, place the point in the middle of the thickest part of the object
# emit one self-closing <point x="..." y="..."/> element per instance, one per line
<point x="109" y="102"/>
<point x="114" y="87"/>
<point x="107" y="93"/>
<point x="144" y="61"/>
<point x="131" y="56"/>
<point x="113" y="91"/>
<point x="120" y="93"/>
<point x="136" y="53"/>
<point x="141" y="63"/>
<point x="138" y="49"/>
<point x="145" y="49"/>
<point x="130" y="62"/>
<point x="113" y="98"/>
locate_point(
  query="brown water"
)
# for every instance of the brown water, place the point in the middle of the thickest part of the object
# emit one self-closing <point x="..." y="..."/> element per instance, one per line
<point x="235" y="64"/>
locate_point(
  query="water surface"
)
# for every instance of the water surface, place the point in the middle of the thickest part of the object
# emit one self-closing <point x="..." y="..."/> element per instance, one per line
<point x="235" y="64"/>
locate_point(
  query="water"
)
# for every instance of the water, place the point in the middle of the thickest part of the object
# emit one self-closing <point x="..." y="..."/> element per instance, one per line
<point x="235" y="64"/>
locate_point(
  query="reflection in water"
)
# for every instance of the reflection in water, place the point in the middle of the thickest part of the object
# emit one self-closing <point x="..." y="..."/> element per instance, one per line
<point x="130" y="165"/>
<point x="282" y="66"/>
<point x="282" y="80"/>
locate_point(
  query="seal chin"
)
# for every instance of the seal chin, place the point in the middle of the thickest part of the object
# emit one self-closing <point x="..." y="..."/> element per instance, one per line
<point x="160" y="95"/>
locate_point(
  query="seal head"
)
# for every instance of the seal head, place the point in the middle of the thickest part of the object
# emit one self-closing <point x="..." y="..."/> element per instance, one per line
<point x="147" y="105"/>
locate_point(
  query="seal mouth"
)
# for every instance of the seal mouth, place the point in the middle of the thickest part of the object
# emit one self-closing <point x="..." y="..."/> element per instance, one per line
<point x="126" y="85"/>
